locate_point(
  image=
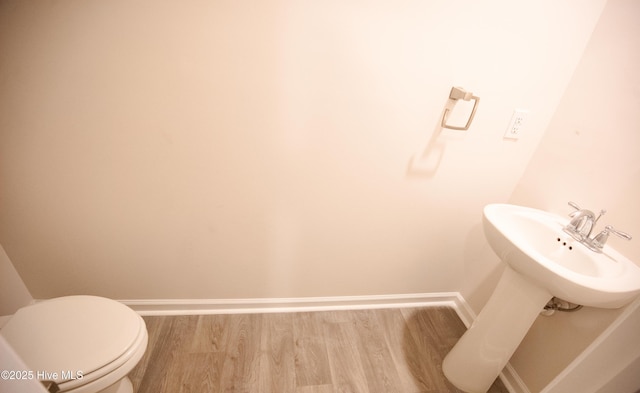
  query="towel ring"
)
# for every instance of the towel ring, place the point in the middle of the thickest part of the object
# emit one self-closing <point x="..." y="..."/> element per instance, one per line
<point x="458" y="93"/>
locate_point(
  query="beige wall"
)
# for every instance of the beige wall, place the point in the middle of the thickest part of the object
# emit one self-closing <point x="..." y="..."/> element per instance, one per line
<point x="13" y="293"/>
<point x="590" y="154"/>
<point x="225" y="149"/>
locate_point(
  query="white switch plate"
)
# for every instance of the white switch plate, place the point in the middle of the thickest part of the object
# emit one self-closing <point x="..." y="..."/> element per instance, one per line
<point x="515" y="125"/>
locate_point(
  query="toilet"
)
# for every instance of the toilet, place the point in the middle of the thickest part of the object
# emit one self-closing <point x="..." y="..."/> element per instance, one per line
<point x="85" y="344"/>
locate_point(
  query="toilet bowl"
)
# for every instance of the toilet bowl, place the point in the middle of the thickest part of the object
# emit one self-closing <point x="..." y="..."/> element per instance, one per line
<point x="86" y="344"/>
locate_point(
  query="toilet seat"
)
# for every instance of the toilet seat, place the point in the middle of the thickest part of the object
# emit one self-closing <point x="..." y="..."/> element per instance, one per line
<point x="81" y="337"/>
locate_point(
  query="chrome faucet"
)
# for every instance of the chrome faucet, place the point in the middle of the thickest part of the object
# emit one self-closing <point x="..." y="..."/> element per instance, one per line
<point x="582" y="222"/>
<point x="581" y="225"/>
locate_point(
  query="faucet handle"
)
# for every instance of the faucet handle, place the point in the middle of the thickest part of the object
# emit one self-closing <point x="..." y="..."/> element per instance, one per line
<point x="621" y="234"/>
<point x="601" y="238"/>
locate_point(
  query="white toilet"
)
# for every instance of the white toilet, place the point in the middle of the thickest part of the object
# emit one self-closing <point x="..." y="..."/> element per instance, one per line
<point x="86" y="344"/>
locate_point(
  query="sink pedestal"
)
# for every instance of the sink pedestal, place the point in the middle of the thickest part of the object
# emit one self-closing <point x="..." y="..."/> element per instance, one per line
<point x="479" y="356"/>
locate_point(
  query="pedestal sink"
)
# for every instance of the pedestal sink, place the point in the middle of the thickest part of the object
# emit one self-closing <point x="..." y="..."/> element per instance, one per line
<point x="542" y="261"/>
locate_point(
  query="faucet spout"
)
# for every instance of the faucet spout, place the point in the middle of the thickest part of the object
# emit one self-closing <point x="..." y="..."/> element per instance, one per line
<point x="581" y="224"/>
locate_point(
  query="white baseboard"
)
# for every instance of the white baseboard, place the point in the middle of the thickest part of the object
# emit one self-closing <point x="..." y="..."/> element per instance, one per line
<point x="152" y="307"/>
<point x="273" y="305"/>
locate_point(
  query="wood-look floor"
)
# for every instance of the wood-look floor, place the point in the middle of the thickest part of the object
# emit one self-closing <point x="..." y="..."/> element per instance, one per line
<point x="385" y="350"/>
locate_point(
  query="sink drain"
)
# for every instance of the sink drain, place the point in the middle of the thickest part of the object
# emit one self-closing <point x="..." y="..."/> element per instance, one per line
<point x="557" y="304"/>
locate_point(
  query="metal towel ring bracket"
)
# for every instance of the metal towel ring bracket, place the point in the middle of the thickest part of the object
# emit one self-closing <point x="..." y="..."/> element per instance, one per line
<point x="458" y="93"/>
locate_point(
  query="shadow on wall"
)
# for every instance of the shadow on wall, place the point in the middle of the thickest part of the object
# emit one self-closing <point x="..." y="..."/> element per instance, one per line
<point x="425" y="163"/>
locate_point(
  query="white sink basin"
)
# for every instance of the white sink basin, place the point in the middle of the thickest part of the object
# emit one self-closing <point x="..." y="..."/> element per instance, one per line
<point x="533" y="243"/>
<point x="542" y="261"/>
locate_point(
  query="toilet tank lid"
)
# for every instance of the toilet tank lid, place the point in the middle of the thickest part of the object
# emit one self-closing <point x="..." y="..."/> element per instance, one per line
<point x="71" y="334"/>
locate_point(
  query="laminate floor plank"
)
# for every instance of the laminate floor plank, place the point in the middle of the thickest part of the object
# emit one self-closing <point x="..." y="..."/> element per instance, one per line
<point x="212" y="334"/>
<point x="402" y="351"/>
<point x="193" y="373"/>
<point x="380" y="371"/>
<point x="422" y="352"/>
<point x="311" y="360"/>
<point x="171" y="336"/>
<point x="368" y="351"/>
<point x="277" y="359"/>
<point x="315" y="389"/>
<point x="347" y="374"/>
<point x="242" y="363"/>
